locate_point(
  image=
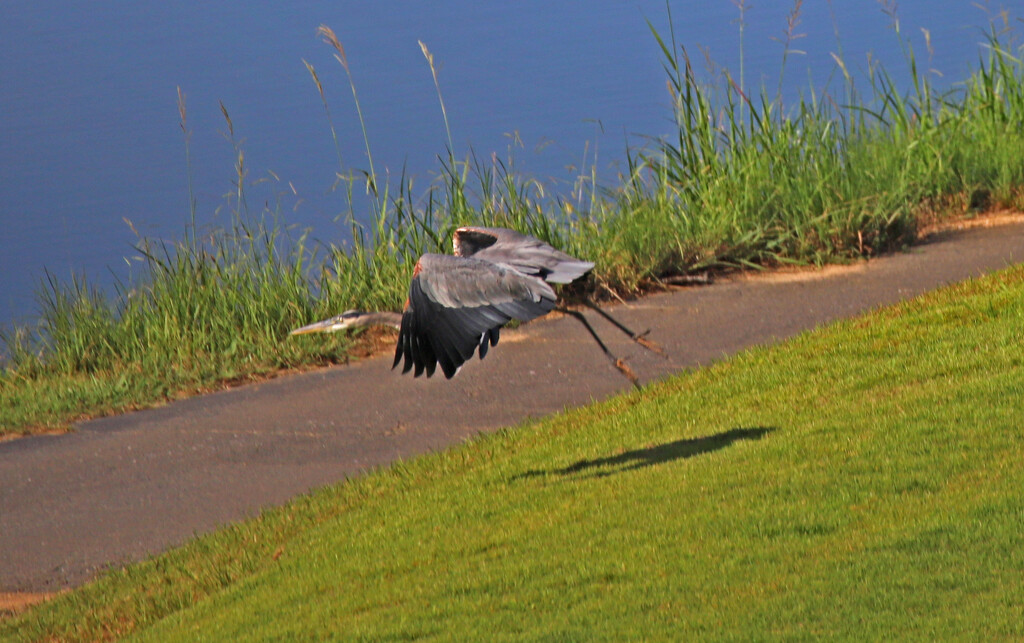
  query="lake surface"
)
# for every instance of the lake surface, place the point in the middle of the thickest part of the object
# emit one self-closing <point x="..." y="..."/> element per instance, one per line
<point x="90" y="137"/>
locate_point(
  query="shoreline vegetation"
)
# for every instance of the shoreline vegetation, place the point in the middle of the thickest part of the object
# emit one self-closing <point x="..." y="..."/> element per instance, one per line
<point x="745" y="182"/>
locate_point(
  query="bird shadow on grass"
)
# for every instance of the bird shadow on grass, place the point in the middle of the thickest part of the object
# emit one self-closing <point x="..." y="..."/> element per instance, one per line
<point x="658" y="454"/>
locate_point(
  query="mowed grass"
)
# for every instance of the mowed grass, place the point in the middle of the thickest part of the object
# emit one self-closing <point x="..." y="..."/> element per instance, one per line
<point x="862" y="481"/>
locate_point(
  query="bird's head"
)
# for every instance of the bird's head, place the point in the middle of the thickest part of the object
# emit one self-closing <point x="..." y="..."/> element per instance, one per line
<point x="347" y="319"/>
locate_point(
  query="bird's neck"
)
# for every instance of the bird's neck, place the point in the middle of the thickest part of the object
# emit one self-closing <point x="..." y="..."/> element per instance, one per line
<point x="381" y="319"/>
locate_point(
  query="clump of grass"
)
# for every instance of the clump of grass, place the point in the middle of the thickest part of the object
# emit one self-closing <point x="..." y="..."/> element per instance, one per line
<point x="745" y="181"/>
<point x="207" y="310"/>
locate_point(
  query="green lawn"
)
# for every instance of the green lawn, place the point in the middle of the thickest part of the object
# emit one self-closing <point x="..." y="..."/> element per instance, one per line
<point x="863" y="481"/>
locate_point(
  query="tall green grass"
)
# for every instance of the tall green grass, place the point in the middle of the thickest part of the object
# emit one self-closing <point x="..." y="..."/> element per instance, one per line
<point x="744" y="181"/>
<point x="749" y="181"/>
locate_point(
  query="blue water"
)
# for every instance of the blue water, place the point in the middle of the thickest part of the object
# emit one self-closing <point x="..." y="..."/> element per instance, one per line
<point x="90" y="135"/>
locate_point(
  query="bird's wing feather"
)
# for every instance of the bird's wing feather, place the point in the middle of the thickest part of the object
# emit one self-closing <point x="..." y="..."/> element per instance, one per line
<point x="524" y="253"/>
<point x="455" y="307"/>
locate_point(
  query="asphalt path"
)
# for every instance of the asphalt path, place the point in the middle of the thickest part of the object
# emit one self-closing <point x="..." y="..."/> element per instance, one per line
<point x="119" y="489"/>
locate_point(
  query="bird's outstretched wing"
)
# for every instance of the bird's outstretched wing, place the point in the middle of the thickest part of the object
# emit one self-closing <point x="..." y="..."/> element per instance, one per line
<point x="456" y="306"/>
<point x="524" y="253"/>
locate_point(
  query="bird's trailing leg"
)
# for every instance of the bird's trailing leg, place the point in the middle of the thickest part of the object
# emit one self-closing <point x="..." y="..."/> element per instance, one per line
<point x="616" y="361"/>
<point x="639" y="338"/>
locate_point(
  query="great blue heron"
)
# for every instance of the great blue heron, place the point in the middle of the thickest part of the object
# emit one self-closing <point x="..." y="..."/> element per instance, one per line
<point x="458" y="304"/>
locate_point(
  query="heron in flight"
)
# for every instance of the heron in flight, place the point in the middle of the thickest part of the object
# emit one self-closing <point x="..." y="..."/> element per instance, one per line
<point x="458" y="304"/>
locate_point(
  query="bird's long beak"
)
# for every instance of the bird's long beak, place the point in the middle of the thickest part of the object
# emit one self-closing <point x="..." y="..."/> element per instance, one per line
<point x="326" y="326"/>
